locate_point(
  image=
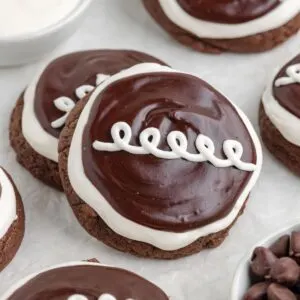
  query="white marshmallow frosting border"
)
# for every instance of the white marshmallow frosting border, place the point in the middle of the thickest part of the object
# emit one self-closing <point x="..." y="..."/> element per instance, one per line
<point x="8" y="205"/>
<point x="286" y="123"/>
<point x="22" y="282"/>
<point x="38" y="138"/>
<point x="167" y="241"/>
<point x="276" y="18"/>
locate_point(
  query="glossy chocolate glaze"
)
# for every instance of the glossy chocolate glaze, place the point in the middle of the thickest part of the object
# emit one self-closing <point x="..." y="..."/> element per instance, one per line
<point x="288" y="96"/>
<point x="170" y="195"/>
<point x="65" y="74"/>
<point x="90" y="281"/>
<point x="228" y="11"/>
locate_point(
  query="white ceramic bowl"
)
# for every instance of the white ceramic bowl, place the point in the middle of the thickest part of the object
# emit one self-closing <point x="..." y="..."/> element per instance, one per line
<point x="27" y="48"/>
<point x="241" y="282"/>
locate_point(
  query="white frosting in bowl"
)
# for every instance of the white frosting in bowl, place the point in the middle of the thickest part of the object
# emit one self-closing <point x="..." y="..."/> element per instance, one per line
<point x="19" y="17"/>
<point x="34" y="39"/>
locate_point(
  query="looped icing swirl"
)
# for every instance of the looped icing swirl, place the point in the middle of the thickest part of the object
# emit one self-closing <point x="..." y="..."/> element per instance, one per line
<point x="293" y="76"/>
<point x="150" y="138"/>
<point x="102" y="297"/>
<point x="66" y="104"/>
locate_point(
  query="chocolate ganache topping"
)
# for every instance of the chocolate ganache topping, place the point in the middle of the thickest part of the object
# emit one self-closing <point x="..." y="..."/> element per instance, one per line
<point x="170" y="195"/>
<point x="65" y="74"/>
<point x="90" y="282"/>
<point x="228" y="11"/>
<point x="288" y="95"/>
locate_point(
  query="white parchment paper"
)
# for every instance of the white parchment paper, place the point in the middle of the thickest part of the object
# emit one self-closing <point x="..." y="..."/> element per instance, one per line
<point x="53" y="235"/>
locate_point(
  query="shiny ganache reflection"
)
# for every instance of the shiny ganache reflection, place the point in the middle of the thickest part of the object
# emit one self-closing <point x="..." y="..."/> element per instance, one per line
<point x="66" y="74"/>
<point x="228" y="11"/>
<point x="170" y="195"/>
<point x="288" y="96"/>
<point x="89" y="281"/>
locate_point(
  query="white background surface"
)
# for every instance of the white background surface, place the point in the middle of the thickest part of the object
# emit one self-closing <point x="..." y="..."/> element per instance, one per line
<point x="52" y="233"/>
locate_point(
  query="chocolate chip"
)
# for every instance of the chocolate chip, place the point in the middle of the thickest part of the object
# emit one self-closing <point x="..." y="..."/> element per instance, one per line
<point x="257" y="291"/>
<point x="281" y="247"/>
<point x="262" y="261"/>
<point x="285" y="271"/>
<point x="93" y="260"/>
<point x="295" y="244"/>
<point x="279" y="292"/>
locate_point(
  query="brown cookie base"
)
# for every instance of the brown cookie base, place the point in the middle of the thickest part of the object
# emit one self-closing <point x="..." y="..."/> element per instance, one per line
<point x="283" y="150"/>
<point x="95" y="226"/>
<point x="11" y="242"/>
<point x="39" y="166"/>
<point x="255" y="43"/>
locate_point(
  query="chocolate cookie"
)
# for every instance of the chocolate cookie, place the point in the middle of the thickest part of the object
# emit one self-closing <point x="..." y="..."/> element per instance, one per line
<point x="40" y="113"/>
<point x="157" y="163"/>
<point x="279" y="115"/>
<point x="236" y="26"/>
<point x="12" y="220"/>
<point x="84" y="281"/>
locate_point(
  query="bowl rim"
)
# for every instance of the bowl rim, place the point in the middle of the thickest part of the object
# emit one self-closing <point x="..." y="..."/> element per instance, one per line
<point x="73" y="14"/>
<point x="269" y="239"/>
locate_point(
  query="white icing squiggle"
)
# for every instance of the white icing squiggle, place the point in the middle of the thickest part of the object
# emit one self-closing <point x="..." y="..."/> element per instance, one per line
<point x="78" y="297"/>
<point x="107" y="297"/>
<point x="8" y="210"/>
<point x="276" y="18"/>
<point x="39" y="139"/>
<point x="164" y="240"/>
<point x="102" y="297"/>
<point x="101" y="78"/>
<point x="83" y="90"/>
<point x="66" y="104"/>
<point x="177" y="141"/>
<point x="293" y="76"/>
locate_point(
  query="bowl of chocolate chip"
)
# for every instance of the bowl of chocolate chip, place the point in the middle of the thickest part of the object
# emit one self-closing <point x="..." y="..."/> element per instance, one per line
<point x="271" y="270"/>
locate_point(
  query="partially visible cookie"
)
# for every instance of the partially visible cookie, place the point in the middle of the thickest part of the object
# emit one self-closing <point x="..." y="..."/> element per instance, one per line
<point x="84" y="281"/>
<point x="12" y="219"/>
<point x="40" y="112"/>
<point x="236" y="26"/>
<point x="157" y="163"/>
<point x="279" y="115"/>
